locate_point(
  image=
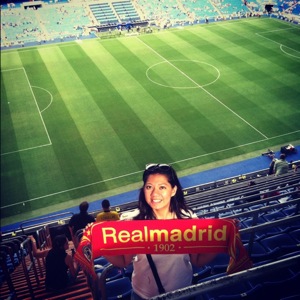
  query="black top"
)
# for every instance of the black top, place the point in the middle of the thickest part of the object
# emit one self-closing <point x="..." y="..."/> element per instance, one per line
<point x="79" y="221"/>
<point x="56" y="270"/>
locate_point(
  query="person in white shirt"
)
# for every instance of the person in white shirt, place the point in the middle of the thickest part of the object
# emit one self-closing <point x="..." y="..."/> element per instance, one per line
<point x="161" y="198"/>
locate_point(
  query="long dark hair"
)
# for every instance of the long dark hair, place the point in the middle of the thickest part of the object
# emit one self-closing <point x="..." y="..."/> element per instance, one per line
<point x="59" y="242"/>
<point x="177" y="205"/>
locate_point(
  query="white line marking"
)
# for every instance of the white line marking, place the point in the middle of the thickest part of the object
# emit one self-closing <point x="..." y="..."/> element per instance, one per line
<point x="210" y="94"/>
<point x="287" y="53"/>
<point x="183" y="87"/>
<point x="51" y="97"/>
<point x="26" y="149"/>
<point x="280" y="44"/>
<point x="137" y="172"/>
<point x="133" y="173"/>
<point x="40" y="113"/>
<point x="37" y="106"/>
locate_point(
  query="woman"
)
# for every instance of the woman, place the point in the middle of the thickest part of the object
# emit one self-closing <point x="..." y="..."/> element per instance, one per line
<point x="161" y="198"/>
<point x="61" y="270"/>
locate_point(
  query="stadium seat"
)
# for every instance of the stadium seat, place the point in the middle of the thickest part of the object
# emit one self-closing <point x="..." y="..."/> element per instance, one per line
<point x="102" y="261"/>
<point x="219" y="264"/>
<point x="118" y="289"/>
<point x="295" y="234"/>
<point x="281" y="287"/>
<point x="260" y="233"/>
<point x="201" y="272"/>
<point x="283" y="240"/>
<point x="259" y="253"/>
<point x="5" y="270"/>
<point x="241" y="290"/>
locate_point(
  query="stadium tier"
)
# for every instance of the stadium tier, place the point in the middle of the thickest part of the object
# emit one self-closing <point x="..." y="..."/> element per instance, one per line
<point x="270" y="231"/>
<point x="265" y="207"/>
<point x="55" y="21"/>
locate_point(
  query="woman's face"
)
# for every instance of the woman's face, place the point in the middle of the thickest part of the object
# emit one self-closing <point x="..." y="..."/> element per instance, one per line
<point x="158" y="192"/>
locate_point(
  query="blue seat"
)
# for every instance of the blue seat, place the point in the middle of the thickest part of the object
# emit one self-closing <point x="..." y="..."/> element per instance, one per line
<point x="282" y="287"/>
<point x="260" y="253"/>
<point x="260" y="233"/>
<point x="200" y="273"/>
<point x="283" y="240"/>
<point x="219" y="264"/>
<point x="118" y="289"/>
<point x="112" y="274"/>
<point x="274" y="215"/>
<point x="102" y="261"/>
<point x="211" y="277"/>
<point x="240" y="290"/>
<point x="295" y="234"/>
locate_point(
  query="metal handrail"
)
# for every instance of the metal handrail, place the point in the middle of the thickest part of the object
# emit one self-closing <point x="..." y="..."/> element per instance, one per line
<point x="51" y="218"/>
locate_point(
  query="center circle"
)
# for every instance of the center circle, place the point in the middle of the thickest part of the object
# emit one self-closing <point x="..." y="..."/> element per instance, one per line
<point x="183" y="74"/>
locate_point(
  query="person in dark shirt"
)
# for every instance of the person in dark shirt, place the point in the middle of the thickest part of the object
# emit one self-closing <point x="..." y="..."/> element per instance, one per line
<point x="80" y="220"/>
<point x="61" y="270"/>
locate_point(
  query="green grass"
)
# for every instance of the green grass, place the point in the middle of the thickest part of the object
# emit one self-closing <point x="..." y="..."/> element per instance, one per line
<point x="79" y="119"/>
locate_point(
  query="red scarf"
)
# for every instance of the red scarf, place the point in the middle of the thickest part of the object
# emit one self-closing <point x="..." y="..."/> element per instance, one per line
<point x="163" y="237"/>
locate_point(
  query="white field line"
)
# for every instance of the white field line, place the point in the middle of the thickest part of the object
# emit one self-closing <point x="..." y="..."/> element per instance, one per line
<point x="137" y="172"/>
<point x="280" y="44"/>
<point x="37" y="107"/>
<point x="206" y="91"/>
<point x="51" y="97"/>
<point x="40" y="113"/>
<point x="133" y="173"/>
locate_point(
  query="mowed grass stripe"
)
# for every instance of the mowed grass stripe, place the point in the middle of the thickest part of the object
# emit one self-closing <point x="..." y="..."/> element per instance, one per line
<point x="220" y="121"/>
<point x="272" y="71"/>
<point x="8" y="137"/>
<point x="104" y="117"/>
<point x="77" y="166"/>
<point x="14" y="188"/>
<point x="10" y="60"/>
<point x="27" y="122"/>
<point x="189" y="107"/>
<point x="43" y="168"/>
<point x="176" y="103"/>
<point x="11" y="166"/>
<point x="135" y="89"/>
<point x="135" y="136"/>
<point x="244" y="69"/>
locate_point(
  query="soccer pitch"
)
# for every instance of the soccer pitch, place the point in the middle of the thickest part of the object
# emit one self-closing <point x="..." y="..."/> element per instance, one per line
<point x="82" y="118"/>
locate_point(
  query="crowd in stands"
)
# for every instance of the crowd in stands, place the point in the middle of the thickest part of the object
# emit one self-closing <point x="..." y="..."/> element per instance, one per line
<point x="59" y="21"/>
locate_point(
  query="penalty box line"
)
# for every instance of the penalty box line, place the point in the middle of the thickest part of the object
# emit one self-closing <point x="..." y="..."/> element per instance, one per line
<point x="39" y="111"/>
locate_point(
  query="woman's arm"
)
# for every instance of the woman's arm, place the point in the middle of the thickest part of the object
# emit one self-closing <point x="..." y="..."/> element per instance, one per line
<point x="120" y="261"/>
<point x="37" y="252"/>
<point x="73" y="267"/>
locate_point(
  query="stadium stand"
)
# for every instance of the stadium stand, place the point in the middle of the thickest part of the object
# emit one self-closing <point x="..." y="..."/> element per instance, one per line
<point x="270" y="225"/>
<point x="104" y="13"/>
<point x="270" y="230"/>
<point x="57" y="21"/>
<point x="126" y="11"/>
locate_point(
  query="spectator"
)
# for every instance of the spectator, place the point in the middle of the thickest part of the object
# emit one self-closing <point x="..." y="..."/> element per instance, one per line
<point x="107" y="214"/>
<point x="281" y="166"/>
<point x="80" y="220"/>
<point x="61" y="270"/>
<point x="38" y="253"/>
<point x="161" y="197"/>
